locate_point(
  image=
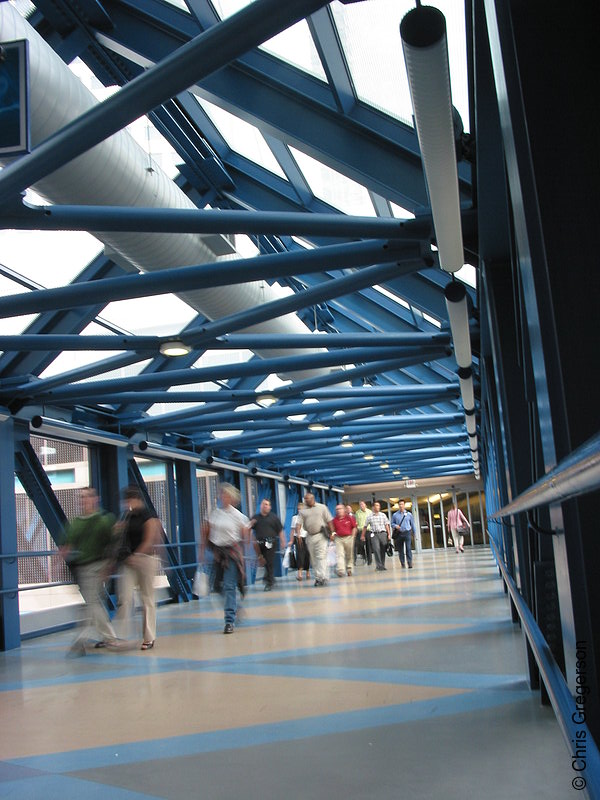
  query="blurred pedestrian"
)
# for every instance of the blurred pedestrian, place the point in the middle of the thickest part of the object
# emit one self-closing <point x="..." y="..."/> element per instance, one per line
<point x="140" y="532"/>
<point x="86" y="546"/>
<point x="225" y="533"/>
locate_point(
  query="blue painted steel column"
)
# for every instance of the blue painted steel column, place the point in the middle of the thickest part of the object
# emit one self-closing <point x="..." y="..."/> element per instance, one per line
<point x="188" y="513"/>
<point x="10" y="635"/>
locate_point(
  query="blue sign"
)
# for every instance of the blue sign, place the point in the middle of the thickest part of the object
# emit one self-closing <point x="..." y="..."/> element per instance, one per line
<point x="14" y="98"/>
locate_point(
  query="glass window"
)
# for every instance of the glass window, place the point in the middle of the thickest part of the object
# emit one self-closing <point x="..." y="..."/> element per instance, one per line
<point x="242" y="137"/>
<point x="333" y="187"/>
<point x="295" y="45"/>
<point x="370" y="36"/>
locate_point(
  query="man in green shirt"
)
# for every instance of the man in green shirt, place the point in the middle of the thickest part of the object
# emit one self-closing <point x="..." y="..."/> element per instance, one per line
<point x="88" y="538"/>
<point x="361" y="515"/>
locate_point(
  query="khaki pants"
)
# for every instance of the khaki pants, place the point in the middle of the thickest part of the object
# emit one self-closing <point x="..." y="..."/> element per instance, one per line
<point x="140" y="572"/>
<point x="317" y="547"/>
<point x="96" y="623"/>
<point x="344" y="550"/>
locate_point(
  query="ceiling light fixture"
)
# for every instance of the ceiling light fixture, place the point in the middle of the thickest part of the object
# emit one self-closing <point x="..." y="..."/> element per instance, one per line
<point x="425" y="47"/>
<point x="266" y="400"/>
<point x="318" y="426"/>
<point x="174" y="347"/>
<point x="369" y="457"/>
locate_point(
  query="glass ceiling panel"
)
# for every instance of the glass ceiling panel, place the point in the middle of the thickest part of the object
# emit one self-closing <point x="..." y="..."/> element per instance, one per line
<point x="370" y="36"/>
<point x="242" y="137"/>
<point x="295" y="45"/>
<point x="162" y="315"/>
<point x="333" y="187"/>
<point x="47" y="258"/>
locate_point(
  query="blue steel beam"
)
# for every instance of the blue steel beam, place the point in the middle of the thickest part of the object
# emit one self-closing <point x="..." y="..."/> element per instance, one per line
<point x="304" y="299"/>
<point x="324" y="458"/>
<point x="259" y="341"/>
<point x="399" y="441"/>
<point x="226" y="422"/>
<point x="400" y="424"/>
<point x="192" y="62"/>
<point x="275" y="439"/>
<point x="322" y="452"/>
<point x="60" y="323"/>
<point x="212" y="221"/>
<point x="205" y="416"/>
<point x="206" y="275"/>
<point x="403" y="393"/>
<point x="179" y="377"/>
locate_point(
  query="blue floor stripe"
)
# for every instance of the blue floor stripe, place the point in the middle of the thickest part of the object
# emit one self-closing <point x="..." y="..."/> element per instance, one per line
<point x="256" y="735"/>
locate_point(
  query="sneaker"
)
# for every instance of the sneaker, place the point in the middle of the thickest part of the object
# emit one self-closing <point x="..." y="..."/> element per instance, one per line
<point x="268" y="587"/>
<point x="228" y="627"/>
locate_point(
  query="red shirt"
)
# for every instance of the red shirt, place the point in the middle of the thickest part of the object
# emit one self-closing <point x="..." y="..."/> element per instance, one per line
<point x="344" y="526"/>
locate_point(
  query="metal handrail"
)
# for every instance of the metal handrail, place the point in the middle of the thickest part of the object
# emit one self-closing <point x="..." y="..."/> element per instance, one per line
<point x="576" y="474"/>
<point x="565" y="707"/>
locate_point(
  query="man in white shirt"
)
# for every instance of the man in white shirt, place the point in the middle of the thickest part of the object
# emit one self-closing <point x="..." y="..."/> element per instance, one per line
<point x="225" y="533"/>
<point x="380" y="534"/>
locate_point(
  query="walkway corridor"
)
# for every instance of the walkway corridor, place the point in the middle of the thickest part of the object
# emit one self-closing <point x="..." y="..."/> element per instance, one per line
<point x="403" y="684"/>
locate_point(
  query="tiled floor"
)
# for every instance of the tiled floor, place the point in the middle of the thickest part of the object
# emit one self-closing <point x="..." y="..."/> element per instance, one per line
<point x="405" y="684"/>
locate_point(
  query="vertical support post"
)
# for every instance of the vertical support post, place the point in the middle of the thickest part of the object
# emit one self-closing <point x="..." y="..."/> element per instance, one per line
<point x="188" y="513"/>
<point x="10" y="635"/>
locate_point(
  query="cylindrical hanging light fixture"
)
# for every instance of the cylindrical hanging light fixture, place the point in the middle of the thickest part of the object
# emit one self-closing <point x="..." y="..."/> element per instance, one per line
<point x="425" y="46"/>
<point x="458" y="316"/>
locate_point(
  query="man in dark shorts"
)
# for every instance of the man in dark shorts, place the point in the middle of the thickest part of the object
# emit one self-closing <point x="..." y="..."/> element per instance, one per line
<point x="268" y="533"/>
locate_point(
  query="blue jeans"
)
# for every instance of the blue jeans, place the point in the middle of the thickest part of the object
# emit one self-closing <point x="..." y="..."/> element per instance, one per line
<point x="404" y="543"/>
<point x="230" y="578"/>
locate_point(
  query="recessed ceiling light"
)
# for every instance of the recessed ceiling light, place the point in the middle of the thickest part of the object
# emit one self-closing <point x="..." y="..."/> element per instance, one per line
<point x="174" y="347"/>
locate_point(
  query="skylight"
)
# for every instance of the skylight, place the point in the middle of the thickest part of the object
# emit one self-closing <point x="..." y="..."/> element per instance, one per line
<point x="370" y="36"/>
<point x="295" y="45"/>
<point x="333" y="187"/>
<point x="242" y="137"/>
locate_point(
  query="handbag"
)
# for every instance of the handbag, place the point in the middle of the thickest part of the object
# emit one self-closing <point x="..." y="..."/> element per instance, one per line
<point x="389" y="549"/>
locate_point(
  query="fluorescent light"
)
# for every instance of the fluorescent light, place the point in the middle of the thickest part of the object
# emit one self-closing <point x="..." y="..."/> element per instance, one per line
<point x="347" y="443"/>
<point x="318" y="426"/>
<point x="385" y="465"/>
<point x="369" y="457"/>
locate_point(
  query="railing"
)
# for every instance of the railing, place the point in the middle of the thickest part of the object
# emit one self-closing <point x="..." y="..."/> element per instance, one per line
<point x="576" y="474"/>
<point x="570" y="714"/>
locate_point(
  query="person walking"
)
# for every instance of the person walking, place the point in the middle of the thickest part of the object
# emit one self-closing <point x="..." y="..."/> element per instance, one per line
<point x="379" y="533"/>
<point x="343" y="526"/>
<point x="457" y="525"/>
<point x="360" y="541"/>
<point x="225" y="533"/>
<point x="315" y="517"/>
<point x="403" y="528"/>
<point x="302" y="554"/>
<point x="140" y="532"/>
<point x="268" y="533"/>
<point x="88" y="538"/>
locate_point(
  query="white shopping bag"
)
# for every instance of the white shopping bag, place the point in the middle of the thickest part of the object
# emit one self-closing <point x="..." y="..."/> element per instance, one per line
<point x="200" y="585"/>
